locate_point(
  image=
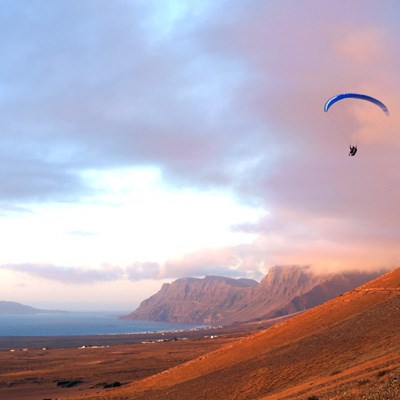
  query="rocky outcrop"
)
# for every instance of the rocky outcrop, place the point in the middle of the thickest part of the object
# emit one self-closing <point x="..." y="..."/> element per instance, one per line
<point x="220" y="300"/>
<point x="329" y="289"/>
<point x="193" y="300"/>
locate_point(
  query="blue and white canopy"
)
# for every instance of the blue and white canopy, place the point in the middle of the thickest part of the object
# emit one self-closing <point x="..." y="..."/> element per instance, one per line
<point x="342" y="96"/>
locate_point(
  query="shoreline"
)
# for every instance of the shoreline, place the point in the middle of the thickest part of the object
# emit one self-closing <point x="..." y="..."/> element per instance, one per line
<point x="37" y="367"/>
<point x="8" y="343"/>
<point x="69" y="367"/>
<point x="72" y="341"/>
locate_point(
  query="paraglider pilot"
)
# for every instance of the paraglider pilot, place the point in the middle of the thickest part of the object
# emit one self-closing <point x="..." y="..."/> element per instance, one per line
<point x="353" y="150"/>
<point x="359" y="96"/>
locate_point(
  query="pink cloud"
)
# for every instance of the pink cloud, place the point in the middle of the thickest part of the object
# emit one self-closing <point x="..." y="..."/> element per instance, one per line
<point x="326" y="208"/>
<point x="232" y="101"/>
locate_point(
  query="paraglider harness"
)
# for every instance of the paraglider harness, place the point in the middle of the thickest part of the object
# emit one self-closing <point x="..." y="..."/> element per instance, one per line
<point x="353" y="150"/>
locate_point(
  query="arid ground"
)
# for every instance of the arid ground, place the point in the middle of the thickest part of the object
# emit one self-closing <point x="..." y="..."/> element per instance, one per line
<point x="347" y="348"/>
<point x="61" y="367"/>
<point x="39" y="374"/>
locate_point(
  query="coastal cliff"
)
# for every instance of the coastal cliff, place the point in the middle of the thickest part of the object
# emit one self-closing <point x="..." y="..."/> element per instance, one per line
<point x="221" y="300"/>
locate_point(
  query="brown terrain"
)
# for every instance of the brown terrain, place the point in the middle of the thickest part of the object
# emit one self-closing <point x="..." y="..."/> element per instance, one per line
<point x="35" y="368"/>
<point x="347" y="348"/>
<point x="220" y="300"/>
<point x="59" y="373"/>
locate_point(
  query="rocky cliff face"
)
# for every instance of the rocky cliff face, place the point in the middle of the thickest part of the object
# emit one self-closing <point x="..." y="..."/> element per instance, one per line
<point x="193" y="300"/>
<point x="220" y="300"/>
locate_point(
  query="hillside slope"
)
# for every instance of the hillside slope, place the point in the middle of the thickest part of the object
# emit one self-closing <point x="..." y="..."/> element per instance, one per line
<point x="326" y="351"/>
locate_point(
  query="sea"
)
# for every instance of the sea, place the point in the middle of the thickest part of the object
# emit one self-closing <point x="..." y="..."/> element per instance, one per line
<point x="80" y="323"/>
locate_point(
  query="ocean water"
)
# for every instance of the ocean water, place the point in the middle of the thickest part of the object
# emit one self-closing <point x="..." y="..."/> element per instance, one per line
<point x="79" y="323"/>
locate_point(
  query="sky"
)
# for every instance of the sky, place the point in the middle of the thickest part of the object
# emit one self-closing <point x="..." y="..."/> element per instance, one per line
<point x="142" y="141"/>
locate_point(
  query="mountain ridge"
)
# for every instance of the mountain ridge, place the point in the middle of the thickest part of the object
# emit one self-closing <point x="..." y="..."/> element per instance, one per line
<point x="221" y="300"/>
<point x="342" y="349"/>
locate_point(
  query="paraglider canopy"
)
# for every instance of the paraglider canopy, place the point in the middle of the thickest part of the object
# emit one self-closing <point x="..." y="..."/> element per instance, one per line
<point x="360" y="96"/>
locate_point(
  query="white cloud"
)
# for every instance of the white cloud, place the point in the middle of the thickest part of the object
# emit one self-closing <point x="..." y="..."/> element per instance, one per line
<point x="220" y="109"/>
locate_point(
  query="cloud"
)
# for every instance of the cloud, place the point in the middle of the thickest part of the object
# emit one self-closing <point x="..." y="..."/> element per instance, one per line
<point x="143" y="270"/>
<point x="107" y="89"/>
<point x="228" y="96"/>
<point x="67" y="275"/>
<point x="240" y="261"/>
<point x="234" y="261"/>
<point x="324" y="207"/>
<point x="80" y="233"/>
